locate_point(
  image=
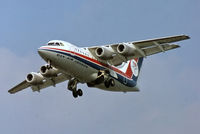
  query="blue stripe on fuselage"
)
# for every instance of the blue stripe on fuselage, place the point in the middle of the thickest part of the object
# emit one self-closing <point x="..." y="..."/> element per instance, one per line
<point x="123" y="80"/>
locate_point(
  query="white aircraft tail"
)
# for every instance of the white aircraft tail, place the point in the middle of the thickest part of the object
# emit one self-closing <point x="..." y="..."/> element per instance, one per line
<point x="132" y="68"/>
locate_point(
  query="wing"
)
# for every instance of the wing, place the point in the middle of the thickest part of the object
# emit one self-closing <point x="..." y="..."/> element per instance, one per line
<point x="46" y="83"/>
<point x="151" y="42"/>
<point x="115" y="54"/>
<point x="19" y="87"/>
<point x="51" y="82"/>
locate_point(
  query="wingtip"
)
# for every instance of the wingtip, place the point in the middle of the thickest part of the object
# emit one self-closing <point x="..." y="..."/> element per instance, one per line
<point x="177" y="46"/>
<point x="186" y="36"/>
<point x="10" y="91"/>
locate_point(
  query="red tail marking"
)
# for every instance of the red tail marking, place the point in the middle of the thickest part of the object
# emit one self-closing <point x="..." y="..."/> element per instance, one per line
<point x="136" y="59"/>
<point x="129" y="72"/>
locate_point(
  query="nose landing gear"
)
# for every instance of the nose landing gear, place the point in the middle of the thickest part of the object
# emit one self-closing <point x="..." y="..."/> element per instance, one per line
<point x="72" y="86"/>
<point x="49" y="66"/>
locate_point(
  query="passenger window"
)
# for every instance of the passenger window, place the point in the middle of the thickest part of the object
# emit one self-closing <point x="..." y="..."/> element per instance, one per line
<point x="57" y="44"/>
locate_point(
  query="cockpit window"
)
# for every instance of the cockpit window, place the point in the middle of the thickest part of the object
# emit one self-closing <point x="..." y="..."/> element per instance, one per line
<point x="55" y="44"/>
<point x="51" y="44"/>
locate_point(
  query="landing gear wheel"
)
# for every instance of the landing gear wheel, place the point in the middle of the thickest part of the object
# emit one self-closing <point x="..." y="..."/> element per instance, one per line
<point x="72" y="86"/>
<point x="112" y="82"/>
<point x="80" y="92"/>
<point x="74" y="93"/>
<point x="107" y="84"/>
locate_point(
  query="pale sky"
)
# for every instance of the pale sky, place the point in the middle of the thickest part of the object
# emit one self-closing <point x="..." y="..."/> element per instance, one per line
<point x="169" y="100"/>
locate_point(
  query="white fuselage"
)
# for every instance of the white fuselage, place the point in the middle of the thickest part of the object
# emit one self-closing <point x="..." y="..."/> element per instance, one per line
<point x="79" y="63"/>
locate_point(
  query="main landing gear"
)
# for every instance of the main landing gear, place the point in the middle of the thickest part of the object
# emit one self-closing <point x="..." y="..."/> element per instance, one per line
<point x="103" y="77"/>
<point x="109" y="82"/>
<point x="72" y="86"/>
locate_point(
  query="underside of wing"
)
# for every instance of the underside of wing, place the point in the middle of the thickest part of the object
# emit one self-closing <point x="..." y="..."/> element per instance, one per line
<point x="151" y="42"/>
<point x="115" y="54"/>
<point x="19" y="87"/>
<point x="154" y="50"/>
<point x="37" y="82"/>
<point x="50" y="82"/>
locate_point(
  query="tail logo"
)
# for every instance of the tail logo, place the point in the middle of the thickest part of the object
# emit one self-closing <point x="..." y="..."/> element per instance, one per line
<point x="134" y="68"/>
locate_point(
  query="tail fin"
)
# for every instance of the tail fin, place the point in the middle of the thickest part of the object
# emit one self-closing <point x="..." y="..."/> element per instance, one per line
<point x="133" y="69"/>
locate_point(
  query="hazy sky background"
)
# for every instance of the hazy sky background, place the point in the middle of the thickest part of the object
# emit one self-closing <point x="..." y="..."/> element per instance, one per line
<point x="169" y="100"/>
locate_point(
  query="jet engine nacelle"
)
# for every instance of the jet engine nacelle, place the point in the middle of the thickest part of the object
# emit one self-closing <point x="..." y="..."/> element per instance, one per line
<point x="104" y="53"/>
<point x="34" y="78"/>
<point x="126" y="49"/>
<point x="48" y="72"/>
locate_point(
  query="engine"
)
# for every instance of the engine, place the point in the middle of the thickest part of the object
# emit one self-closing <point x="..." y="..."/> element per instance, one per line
<point x="34" y="78"/>
<point x="104" y="53"/>
<point x="126" y="49"/>
<point x="48" y="72"/>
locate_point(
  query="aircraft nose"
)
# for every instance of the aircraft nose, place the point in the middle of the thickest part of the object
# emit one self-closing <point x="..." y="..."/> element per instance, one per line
<point x="42" y="52"/>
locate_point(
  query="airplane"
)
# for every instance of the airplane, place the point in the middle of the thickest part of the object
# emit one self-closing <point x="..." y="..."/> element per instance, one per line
<point x="113" y="67"/>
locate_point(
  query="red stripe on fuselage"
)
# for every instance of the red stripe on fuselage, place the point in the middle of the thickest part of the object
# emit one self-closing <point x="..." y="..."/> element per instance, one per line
<point x="92" y="60"/>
